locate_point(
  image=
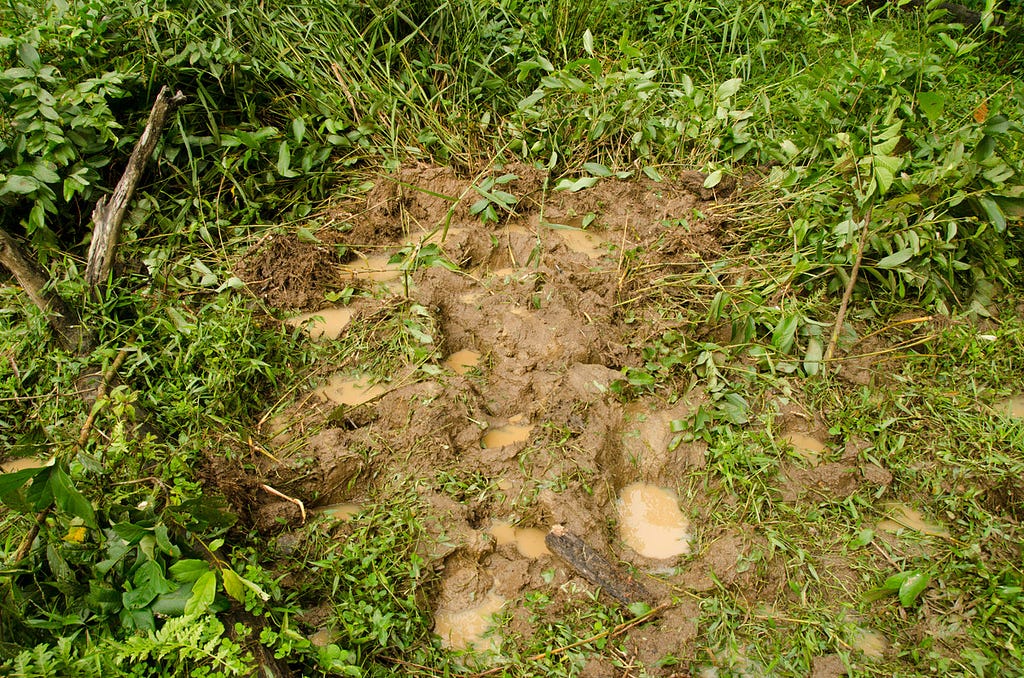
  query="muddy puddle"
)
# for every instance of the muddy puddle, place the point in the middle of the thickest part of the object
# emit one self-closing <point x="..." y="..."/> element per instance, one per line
<point x="511" y="433"/>
<point x="343" y="389"/>
<point x="22" y="463"/>
<point x="651" y="523"/>
<point x="328" y="323"/>
<point x="471" y="628"/>
<point x="463" y="362"/>
<point x="529" y="541"/>
<point x="340" y="511"/>
<point x="805" y="446"/>
<point x="902" y="518"/>
<point x="1011" y="407"/>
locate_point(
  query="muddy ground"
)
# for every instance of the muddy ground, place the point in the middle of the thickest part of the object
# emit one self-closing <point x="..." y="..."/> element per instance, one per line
<point x="542" y="316"/>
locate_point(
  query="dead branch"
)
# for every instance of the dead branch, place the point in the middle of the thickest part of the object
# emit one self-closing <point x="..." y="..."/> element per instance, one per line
<point x="594" y="567"/>
<point x="32" y="278"/>
<point x="108" y="214"/>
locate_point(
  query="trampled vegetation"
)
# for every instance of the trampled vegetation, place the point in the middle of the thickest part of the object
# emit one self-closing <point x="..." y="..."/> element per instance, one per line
<point x="807" y="220"/>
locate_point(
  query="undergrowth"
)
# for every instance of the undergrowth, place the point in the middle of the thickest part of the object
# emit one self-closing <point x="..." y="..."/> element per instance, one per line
<point x="889" y="137"/>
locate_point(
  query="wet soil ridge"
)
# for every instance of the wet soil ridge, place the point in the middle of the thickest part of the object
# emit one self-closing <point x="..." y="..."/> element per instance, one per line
<point x="513" y="417"/>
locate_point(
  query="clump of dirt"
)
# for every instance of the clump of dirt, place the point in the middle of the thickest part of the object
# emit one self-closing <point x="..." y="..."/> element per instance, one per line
<point x="288" y="273"/>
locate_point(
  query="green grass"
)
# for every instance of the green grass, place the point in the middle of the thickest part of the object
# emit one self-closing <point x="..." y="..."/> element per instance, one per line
<point x="891" y="117"/>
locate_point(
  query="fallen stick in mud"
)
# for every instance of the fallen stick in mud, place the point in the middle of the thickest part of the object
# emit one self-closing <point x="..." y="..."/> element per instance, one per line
<point x="595" y="568"/>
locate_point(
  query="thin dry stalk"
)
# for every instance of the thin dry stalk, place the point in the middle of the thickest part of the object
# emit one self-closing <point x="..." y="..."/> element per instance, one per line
<point x="848" y="292"/>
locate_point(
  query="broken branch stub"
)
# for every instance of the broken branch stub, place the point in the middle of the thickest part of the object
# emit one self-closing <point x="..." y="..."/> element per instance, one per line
<point x="109" y="213"/>
<point x="33" y="279"/>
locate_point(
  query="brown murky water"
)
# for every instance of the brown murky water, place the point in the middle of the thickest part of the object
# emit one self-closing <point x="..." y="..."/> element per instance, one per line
<point x="1012" y="407"/>
<point x="466" y="629"/>
<point x="346" y="390"/>
<point x="651" y="523"/>
<point x="528" y="540"/>
<point x="583" y="242"/>
<point x="328" y="324"/>
<point x="511" y="433"/>
<point x="12" y="465"/>
<point x="872" y="643"/>
<point x="342" y="511"/>
<point x="375" y="268"/>
<point x="462" y="362"/>
<point x="805" y="446"/>
<point x="903" y="517"/>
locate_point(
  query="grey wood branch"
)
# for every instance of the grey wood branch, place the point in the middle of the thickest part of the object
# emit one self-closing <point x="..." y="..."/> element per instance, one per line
<point x="30" y="275"/>
<point x="109" y="213"/>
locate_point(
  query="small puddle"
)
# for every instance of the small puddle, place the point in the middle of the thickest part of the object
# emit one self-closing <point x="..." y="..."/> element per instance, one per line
<point x="582" y="242"/>
<point x="511" y="433"/>
<point x="806" y="447"/>
<point x="466" y="629"/>
<point x="376" y="269"/>
<point x="328" y="323"/>
<point x="22" y="463"/>
<point x="902" y="517"/>
<point x="1012" y="407"/>
<point x="651" y="523"/>
<point x="529" y="540"/>
<point x="345" y="390"/>
<point x="342" y="511"/>
<point x="872" y="643"/>
<point x="461" y="362"/>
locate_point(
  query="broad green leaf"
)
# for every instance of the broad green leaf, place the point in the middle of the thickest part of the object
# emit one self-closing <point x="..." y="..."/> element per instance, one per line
<point x="10" y="482"/>
<point x="896" y="258"/>
<point x="298" y="129"/>
<point x="131" y="532"/>
<point x="284" y="160"/>
<point x="728" y="88"/>
<point x="189" y="570"/>
<point x="529" y="101"/>
<point x="885" y="167"/>
<point x="233" y="584"/>
<point x="69" y="499"/>
<point x="812" y="358"/>
<point x="577" y="185"/>
<point x="20" y="184"/>
<point x="45" y="172"/>
<point x="993" y="212"/>
<point x="172" y="604"/>
<point x="785" y="332"/>
<point x="912" y="587"/>
<point x="932" y="105"/>
<point x="713" y="179"/>
<point x="29" y="56"/>
<point x="734" y="408"/>
<point x="597" y="169"/>
<point x="203" y="593"/>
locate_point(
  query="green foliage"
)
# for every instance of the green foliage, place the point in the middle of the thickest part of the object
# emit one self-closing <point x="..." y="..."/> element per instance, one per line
<point x="56" y="135"/>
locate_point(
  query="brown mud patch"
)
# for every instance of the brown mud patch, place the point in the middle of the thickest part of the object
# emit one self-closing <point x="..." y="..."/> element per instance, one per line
<point x="531" y="324"/>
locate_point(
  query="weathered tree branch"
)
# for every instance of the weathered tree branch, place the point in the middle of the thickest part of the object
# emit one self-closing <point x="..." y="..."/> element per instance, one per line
<point x="62" y="320"/>
<point x="108" y="214"/>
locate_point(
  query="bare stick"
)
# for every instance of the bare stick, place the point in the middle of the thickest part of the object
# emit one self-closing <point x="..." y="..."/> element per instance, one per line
<point x="30" y="275"/>
<point x="594" y="567"/>
<point x="297" y="502"/>
<point x="848" y="292"/>
<point x="108" y="214"/>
